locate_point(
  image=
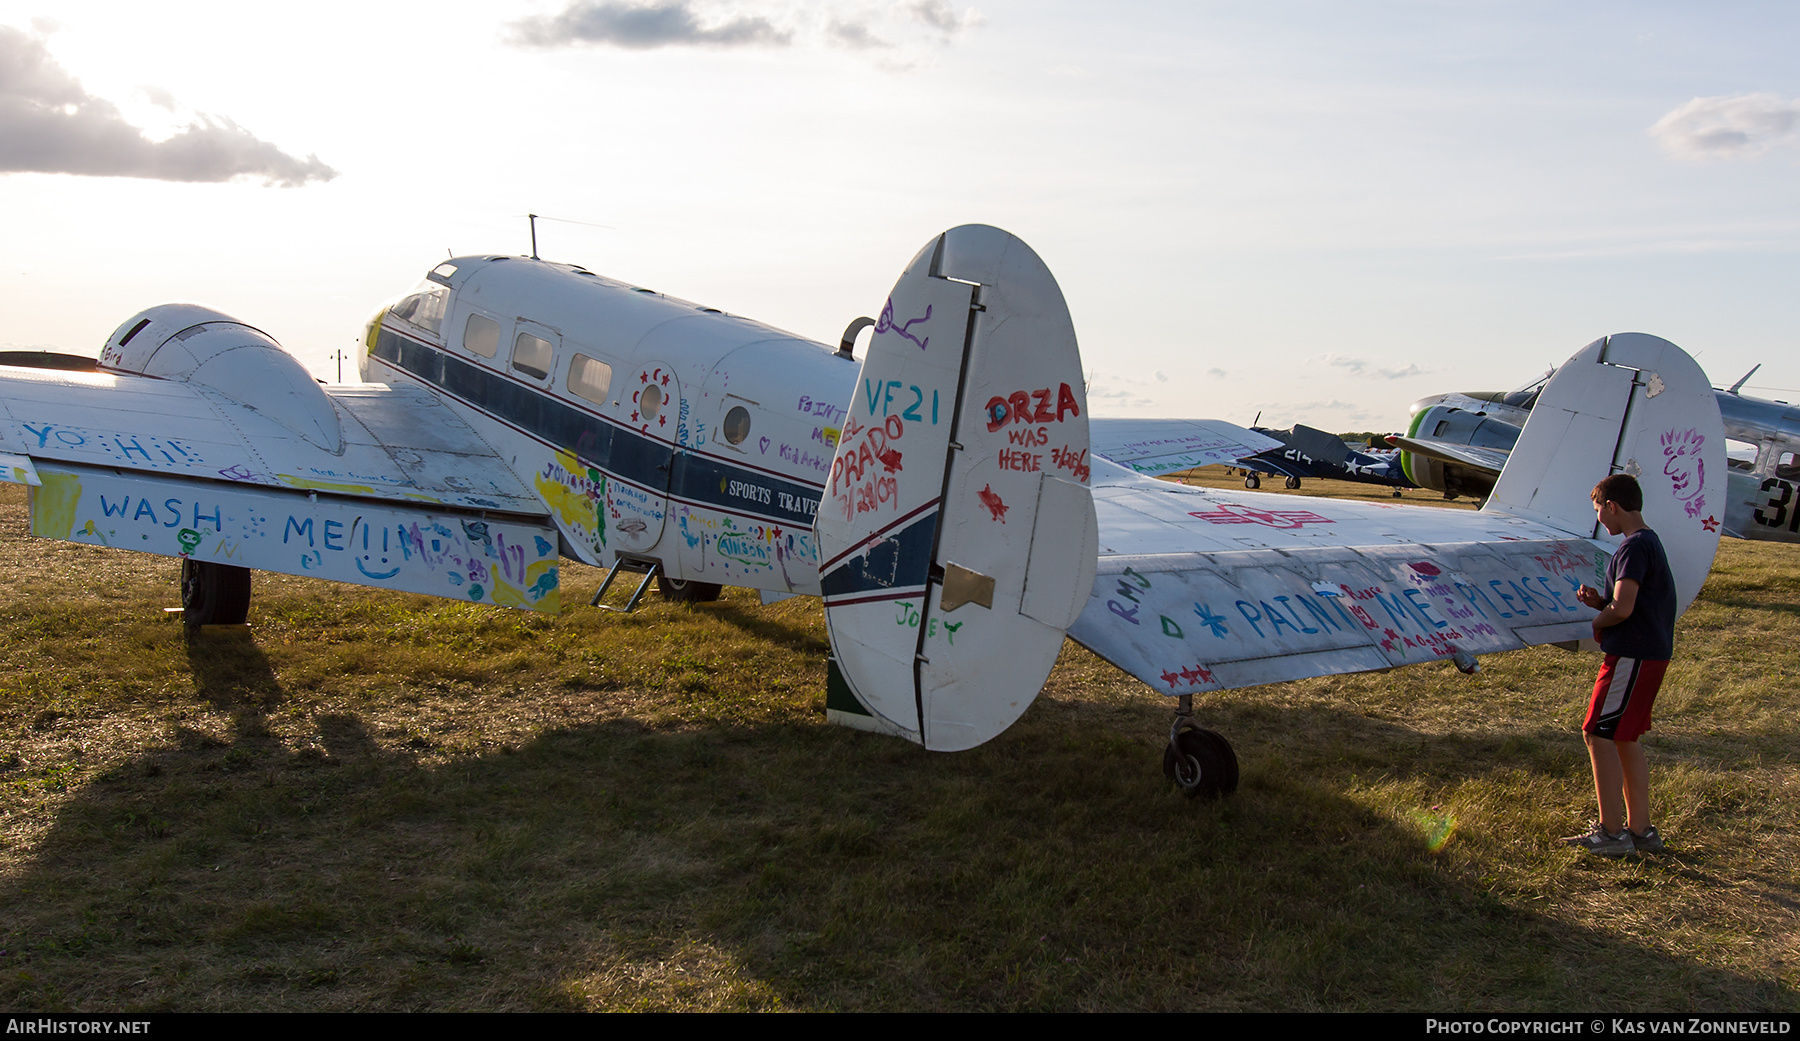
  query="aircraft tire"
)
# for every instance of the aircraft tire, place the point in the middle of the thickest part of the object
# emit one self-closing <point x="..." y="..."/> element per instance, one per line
<point x="214" y="594"/>
<point x="1228" y="764"/>
<point x="1293" y="482"/>
<point x="1252" y="481"/>
<point x="677" y="591"/>
<point x="1211" y="769"/>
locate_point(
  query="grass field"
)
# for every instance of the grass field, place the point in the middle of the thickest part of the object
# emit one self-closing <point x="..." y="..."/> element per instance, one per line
<point x="378" y="801"/>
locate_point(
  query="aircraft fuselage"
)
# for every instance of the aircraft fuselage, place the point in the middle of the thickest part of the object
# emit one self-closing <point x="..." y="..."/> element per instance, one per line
<point x="652" y="428"/>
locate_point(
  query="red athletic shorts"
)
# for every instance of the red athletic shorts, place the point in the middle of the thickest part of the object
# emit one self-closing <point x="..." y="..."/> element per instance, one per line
<point x="1620" y="710"/>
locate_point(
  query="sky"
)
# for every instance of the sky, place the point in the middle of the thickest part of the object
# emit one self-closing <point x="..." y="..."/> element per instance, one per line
<point x="1309" y="211"/>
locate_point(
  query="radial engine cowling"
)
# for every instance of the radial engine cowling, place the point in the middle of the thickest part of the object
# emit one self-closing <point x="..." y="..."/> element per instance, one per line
<point x="1457" y="427"/>
<point x="193" y="344"/>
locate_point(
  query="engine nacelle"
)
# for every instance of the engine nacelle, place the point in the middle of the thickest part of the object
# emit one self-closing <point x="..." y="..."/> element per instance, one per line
<point x="1458" y="427"/>
<point x="188" y="343"/>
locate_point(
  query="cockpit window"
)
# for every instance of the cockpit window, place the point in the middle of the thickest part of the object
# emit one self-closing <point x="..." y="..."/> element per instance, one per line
<point x="424" y="308"/>
<point x="532" y="355"/>
<point x="1526" y="396"/>
<point x="1740" y="455"/>
<point x="1788" y="469"/>
<point x="481" y="335"/>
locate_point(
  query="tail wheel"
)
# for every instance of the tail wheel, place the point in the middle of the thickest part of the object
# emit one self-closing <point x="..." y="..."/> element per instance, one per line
<point x="1201" y="763"/>
<point x="214" y="594"/>
<point x="680" y="592"/>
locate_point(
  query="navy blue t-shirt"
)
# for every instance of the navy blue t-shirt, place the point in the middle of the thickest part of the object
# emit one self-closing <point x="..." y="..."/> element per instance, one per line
<point x="1649" y="633"/>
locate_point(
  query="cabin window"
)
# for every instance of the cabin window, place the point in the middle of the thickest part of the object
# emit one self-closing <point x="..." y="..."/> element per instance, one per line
<point x="481" y="335"/>
<point x="424" y="309"/>
<point x="589" y="378"/>
<point x="1788" y="469"/>
<point x="737" y="424"/>
<point x="649" y="402"/>
<point x="1740" y="455"/>
<point x="532" y="355"/>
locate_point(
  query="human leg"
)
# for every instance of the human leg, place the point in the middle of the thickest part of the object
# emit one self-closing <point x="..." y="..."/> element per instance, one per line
<point x="1609" y="781"/>
<point x="1636" y="773"/>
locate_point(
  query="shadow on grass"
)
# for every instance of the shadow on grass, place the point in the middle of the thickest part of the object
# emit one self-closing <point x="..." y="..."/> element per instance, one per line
<point x="783" y="865"/>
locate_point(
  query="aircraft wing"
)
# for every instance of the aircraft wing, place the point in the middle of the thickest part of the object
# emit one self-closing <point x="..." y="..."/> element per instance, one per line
<point x="1163" y="446"/>
<point x="1488" y="460"/>
<point x="402" y="495"/>
<point x="1202" y="590"/>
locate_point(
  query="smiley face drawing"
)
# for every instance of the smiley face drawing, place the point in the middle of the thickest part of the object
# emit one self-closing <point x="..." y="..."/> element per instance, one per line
<point x="1685" y="468"/>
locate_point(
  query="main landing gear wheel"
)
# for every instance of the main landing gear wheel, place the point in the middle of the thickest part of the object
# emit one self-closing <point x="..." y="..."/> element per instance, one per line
<point x="1200" y="762"/>
<point x="213" y="594"/>
<point x="680" y="592"/>
<point x="1252" y="481"/>
<point x="1293" y="482"/>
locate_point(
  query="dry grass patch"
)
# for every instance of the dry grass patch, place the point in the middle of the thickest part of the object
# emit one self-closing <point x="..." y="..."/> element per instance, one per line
<point x="370" y="801"/>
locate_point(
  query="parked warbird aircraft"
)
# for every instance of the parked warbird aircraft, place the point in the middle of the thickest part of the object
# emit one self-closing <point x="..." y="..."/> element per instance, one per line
<point x="1458" y="443"/>
<point x="1310" y="452"/>
<point x="949" y="499"/>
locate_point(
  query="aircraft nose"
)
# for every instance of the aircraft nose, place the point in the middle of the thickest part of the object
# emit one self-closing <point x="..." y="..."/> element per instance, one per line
<point x="1424" y="403"/>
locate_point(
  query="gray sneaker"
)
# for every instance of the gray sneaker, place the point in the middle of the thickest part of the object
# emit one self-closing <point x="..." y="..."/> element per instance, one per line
<point x="1648" y="842"/>
<point x="1598" y="841"/>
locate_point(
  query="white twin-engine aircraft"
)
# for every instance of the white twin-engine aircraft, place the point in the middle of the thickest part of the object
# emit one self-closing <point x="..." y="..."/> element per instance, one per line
<point x="950" y="498"/>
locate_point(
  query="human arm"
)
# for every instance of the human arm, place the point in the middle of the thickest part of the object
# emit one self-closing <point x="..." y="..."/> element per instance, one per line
<point x="1624" y="601"/>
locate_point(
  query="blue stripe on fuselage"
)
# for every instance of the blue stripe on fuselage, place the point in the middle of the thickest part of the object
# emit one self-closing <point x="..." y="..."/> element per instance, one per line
<point x="602" y="443"/>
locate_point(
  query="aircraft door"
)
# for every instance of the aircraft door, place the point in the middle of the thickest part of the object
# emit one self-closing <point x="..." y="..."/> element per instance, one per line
<point x="642" y="460"/>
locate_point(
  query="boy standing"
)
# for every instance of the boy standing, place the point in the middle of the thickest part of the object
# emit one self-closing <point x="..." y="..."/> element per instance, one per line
<point x="1636" y="629"/>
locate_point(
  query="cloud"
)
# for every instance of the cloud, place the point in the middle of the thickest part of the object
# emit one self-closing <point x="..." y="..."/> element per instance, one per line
<point x="157" y="96"/>
<point x="642" y="27"/>
<point x="853" y="34"/>
<point x="1360" y="367"/>
<point x="1217" y="373"/>
<point x="896" y="31"/>
<point x="940" y="16"/>
<point x="1735" y="127"/>
<point x="49" y="124"/>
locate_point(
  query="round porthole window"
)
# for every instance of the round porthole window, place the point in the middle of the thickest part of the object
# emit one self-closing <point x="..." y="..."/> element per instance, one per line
<point x="737" y="424"/>
<point x="649" y="402"/>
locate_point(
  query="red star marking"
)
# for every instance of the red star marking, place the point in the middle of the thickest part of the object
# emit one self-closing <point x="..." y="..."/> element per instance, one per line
<point x="662" y="421"/>
<point x="1710" y="524"/>
<point x="993" y="503"/>
<point x="1170" y="678"/>
<point x="665" y="379"/>
<point x="1191" y="675"/>
<point x="1236" y="513"/>
<point x="1390" y="634"/>
<point x="1206" y="675"/>
<point x="643" y="377"/>
<point x="634" y="417"/>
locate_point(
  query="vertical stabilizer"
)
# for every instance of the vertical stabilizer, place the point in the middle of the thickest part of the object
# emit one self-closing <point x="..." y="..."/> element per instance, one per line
<point x="957" y="532"/>
<point x="1626" y="403"/>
